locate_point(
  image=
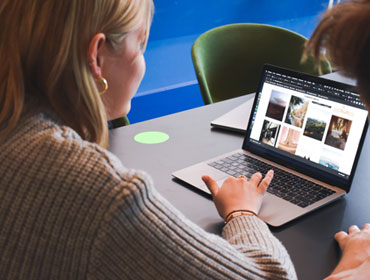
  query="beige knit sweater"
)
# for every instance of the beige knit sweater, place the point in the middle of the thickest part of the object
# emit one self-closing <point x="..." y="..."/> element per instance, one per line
<point x="70" y="210"/>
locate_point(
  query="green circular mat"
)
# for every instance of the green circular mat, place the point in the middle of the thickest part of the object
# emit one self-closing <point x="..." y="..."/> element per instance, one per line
<point x="151" y="137"/>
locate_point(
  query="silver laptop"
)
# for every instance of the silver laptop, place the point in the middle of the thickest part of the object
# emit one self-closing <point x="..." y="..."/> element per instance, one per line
<point x="236" y="119"/>
<point x="310" y="130"/>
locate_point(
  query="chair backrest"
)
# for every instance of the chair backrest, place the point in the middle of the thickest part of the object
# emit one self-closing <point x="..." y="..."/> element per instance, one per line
<point x="123" y="121"/>
<point x="228" y="60"/>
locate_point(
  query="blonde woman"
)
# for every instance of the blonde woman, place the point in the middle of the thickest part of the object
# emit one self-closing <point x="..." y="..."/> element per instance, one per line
<point x="68" y="208"/>
<point x="344" y="34"/>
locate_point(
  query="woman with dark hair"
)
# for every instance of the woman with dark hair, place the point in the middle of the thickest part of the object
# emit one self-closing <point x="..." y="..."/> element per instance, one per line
<point x="343" y="35"/>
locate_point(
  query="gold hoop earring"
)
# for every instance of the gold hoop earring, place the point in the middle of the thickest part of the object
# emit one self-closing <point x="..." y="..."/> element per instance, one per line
<point x="105" y="85"/>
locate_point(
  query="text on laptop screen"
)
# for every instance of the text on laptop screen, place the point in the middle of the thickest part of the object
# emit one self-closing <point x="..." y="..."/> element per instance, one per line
<point x="316" y="124"/>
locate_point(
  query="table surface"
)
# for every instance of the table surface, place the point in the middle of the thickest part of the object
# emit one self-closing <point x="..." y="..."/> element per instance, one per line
<point x="309" y="239"/>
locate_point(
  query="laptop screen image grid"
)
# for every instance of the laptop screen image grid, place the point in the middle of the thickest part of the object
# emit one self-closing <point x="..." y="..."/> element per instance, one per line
<point x="308" y="120"/>
<point x="285" y="185"/>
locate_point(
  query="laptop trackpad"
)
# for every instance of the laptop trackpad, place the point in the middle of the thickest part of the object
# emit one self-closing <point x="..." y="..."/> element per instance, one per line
<point x="276" y="211"/>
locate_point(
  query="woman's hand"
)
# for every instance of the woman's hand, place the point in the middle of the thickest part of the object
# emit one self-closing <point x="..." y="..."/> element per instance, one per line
<point x="239" y="193"/>
<point x="355" y="261"/>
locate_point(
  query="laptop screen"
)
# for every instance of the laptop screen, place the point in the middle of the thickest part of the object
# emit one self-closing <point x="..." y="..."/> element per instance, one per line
<point x="310" y="124"/>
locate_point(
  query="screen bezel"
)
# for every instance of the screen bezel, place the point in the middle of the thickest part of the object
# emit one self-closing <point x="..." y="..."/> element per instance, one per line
<point x="296" y="165"/>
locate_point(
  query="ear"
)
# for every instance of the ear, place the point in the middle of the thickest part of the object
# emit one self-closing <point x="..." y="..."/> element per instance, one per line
<point x="94" y="54"/>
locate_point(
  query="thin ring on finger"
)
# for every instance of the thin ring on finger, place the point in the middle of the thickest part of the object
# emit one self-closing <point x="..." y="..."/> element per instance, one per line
<point x="242" y="177"/>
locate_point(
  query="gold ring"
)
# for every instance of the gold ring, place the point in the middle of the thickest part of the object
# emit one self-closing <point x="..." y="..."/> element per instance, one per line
<point x="242" y="177"/>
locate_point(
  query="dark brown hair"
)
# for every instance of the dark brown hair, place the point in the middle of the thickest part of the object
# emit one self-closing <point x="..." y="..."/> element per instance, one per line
<point x="343" y="35"/>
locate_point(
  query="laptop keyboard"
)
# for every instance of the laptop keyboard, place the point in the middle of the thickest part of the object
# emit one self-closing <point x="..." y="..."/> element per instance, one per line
<point x="285" y="185"/>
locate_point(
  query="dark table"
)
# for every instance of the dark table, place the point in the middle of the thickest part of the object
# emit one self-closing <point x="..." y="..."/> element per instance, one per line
<point x="309" y="239"/>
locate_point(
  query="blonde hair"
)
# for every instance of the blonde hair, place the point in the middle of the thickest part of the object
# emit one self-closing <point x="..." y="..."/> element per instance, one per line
<point x="344" y="35"/>
<point x="44" y="57"/>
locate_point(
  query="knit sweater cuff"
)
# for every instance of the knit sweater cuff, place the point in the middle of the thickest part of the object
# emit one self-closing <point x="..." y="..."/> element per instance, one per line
<point x="246" y="229"/>
<point x="251" y="236"/>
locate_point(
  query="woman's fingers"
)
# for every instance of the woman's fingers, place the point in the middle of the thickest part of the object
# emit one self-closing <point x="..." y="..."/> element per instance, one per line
<point x="266" y="181"/>
<point x="255" y="179"/>
<point x="341" y="238"/>
<point x="238" y="193"/>
<point x="366" y="227"/>
<point x="353" y="229"/>
<point x="211" y="184"/>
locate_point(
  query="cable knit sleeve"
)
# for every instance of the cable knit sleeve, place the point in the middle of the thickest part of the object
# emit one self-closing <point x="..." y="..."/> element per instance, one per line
<point x="143" y="237"/>
<point x="70" y="210"/>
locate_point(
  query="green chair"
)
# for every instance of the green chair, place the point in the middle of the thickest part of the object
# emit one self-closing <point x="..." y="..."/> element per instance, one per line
<point x="228" y="60"/>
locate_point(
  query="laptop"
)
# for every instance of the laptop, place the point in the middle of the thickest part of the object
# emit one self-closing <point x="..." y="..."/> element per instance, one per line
<point x="237" y="119"/>
<point x="308" y="129"/>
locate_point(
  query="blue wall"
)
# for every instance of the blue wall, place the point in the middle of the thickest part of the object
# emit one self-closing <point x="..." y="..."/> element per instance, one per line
<point x="170" y="82"/>
<point x="184" y="18"/>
